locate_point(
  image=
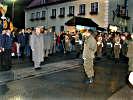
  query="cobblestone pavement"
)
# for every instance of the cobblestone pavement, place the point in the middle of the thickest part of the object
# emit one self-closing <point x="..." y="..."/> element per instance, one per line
<point x="65" y="82"/>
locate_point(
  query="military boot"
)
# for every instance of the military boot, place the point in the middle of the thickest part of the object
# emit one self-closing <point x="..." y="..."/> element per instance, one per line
<point x="89" y="80"/>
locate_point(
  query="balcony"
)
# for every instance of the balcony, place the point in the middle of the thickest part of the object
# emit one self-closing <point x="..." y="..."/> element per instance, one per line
<point x="61" y="16"/>
<point x="52" y="17"/>
<point x="123" y="16"/>
<point x="81" y="14"/>
<point x="93" y="13"/>
<point x="43" y="18"/>
<point x="70" y="15"/>
<point x="37" y="18"/>
<point x="32" y="19"/>
<point x="122" y="12"/>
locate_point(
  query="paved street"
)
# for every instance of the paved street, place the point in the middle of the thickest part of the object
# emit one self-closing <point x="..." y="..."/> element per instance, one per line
<point x="62" y="79"/>
<point x="126" y="93"/>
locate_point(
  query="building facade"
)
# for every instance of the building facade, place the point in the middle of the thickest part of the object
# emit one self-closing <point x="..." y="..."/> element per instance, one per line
<point x="130" y="22"/>
<point x="55" y="13"/>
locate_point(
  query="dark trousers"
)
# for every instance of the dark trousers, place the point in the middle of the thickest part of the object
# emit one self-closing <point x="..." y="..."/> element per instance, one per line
<point x="1" y="59"/>
<point x="22" y="49"/>
<point x="7" y="58"/>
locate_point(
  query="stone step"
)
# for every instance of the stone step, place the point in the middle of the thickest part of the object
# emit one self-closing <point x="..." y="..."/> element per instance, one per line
<point x="19" y="74"/>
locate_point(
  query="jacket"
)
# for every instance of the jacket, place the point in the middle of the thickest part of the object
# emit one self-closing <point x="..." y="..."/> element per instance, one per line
<point x="90" y="47"/>
<point x="8" y="41"/>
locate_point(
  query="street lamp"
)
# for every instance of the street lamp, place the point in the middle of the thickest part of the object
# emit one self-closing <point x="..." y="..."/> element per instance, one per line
<point x="13" y="5"/>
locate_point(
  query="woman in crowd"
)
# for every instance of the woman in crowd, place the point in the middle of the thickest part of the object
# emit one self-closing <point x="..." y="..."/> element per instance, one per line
<point x="15" y="43"/>
<point x="58" y="42"/>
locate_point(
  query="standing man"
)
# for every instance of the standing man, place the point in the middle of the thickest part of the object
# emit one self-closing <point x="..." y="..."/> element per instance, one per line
<point x="99" y="46"/>
<point x="1" y="48"/>
<point x="27" y="45"/>
<point x="47" y="42"/>
<point x="22" y="42"/>
<point x="90" y="48"/>
<point x="78" y="44"/>
<point x="130" y="54"/>
<point x="51" y="34"/>
<point x="117" y="48"/>
<point x="37" y="47"/>
<point x="7" y="45"/>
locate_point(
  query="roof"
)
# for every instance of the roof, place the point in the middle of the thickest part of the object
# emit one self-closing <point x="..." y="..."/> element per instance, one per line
<point x="81" y="21"/>
<point x="1" y="1"/>
<point x="38" y="3"/>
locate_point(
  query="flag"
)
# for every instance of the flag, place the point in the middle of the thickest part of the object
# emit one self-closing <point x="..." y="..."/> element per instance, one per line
<point x="116" y="12"/>
<point x="3" y="9"/>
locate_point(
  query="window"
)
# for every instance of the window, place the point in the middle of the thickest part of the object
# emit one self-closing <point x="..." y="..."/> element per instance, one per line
<point x="43" y="14"/>
<point x="62" y="28"/>
<point x="122" y="11"/>
<point x="53" y="12"/>
<point x="82" y="9"/>
<point x="53" y="28"/>
<point x="32" y="15"/>
<point x="43" y="1"/>
<point x="62" y="11"/>
<point x="94" y="8"/>
<point x="37" y="15"/>
<point x="71" y="10"/>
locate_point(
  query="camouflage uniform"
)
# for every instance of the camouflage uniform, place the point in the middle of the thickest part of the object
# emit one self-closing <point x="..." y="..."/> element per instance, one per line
<point x="109" y="46"/>
<point x="67" y="44"/>
<point x="99" y="46"/>
<point x="78" y="45"/>
<point x="90" y="47"/>
<point x="117" y="48"/>
<point x="130" y="55"/>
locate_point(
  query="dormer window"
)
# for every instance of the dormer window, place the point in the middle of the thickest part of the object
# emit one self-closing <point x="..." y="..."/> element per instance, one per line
<point x="43" y="1"/>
